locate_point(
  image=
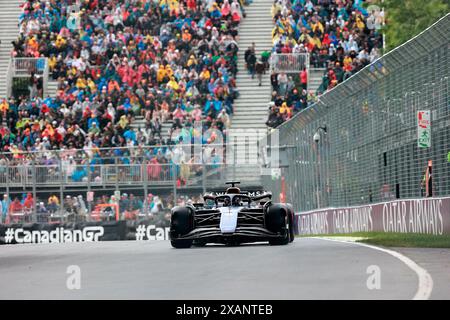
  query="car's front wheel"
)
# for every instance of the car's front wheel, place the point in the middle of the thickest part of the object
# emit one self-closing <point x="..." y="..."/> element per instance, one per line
<point x="282" y="240"/>
<point x="277" y="221"/>
<point x="181" y="244"/>
<point x="181" y="223"/>
<point x="291" y="227"/>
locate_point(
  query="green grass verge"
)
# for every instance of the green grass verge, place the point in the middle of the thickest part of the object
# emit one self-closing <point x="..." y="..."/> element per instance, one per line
<point x="396" y="239"/>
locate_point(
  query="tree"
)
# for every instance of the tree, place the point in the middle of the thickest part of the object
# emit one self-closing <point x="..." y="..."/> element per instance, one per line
<point x="407" y="18"/>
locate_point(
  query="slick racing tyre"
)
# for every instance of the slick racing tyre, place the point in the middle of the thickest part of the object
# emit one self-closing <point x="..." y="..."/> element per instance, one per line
<point x="181" y="223"/>
<point x="291" y="224"/>
<point x="181" y="244"/>
<point x="281" y="241"/>
<point x="277" y="221"/>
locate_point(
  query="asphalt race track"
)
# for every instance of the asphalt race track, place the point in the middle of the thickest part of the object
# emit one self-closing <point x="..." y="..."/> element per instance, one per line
<point x="307" y="269"/>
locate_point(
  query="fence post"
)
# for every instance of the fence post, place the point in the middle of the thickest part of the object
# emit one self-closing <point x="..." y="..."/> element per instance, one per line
<point x="174" y="175"/>
<point x="117" y="173"/>
<point x="204" y="178"/>
<point x="89" y="185"/>
<point x="61" y="189"/>
<point x="7" y="178"/>
<point x="144" y="172"/>
<point x="33" y="215"/>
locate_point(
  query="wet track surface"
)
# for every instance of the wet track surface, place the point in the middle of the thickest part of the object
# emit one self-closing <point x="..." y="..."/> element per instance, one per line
<point x="305" y="269"/>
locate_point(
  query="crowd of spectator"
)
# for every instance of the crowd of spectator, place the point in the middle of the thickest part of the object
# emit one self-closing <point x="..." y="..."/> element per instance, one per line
<point x="159" y="164"/>
<point x="341" y="36"/>
<point x="75" y="208"/>
<point x="118" y="59"/>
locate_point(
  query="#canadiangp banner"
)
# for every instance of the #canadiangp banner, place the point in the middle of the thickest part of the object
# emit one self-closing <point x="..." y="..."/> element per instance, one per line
<point x="426" y="215"/>
<point x="19" y="233"/>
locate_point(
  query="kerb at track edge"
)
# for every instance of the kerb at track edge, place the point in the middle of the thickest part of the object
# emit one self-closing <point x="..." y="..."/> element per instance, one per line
<point x="425" y="285"/>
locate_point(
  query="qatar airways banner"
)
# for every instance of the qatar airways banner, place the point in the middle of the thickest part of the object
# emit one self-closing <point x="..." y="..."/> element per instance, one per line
<point x="426" y="215"/>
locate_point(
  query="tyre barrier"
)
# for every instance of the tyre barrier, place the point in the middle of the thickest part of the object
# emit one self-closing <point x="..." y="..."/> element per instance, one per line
<point x="18" y="233"/>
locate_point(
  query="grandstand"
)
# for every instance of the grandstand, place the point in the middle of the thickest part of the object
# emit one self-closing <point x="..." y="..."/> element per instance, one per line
<point x="96" y="94"/>
<point x="339" y="37"/>
<point x="361" y="142"/>
<point x="107" y="97"/>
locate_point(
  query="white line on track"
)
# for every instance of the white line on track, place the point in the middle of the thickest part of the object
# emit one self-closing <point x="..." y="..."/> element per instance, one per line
<point x="425" y="286"/>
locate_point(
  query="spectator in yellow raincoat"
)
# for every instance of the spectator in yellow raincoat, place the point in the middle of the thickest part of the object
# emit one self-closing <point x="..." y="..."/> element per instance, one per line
<point x="192" y="61"/>
<point x="205" y="74"/>
<point x="304" y="36"/>
<point x="161" y="73"/>
<point x="52" y="62"/>
<point x="169" y="71"/>
<point x="285" y="110"/>
<point x="53" y="199"/>
<point x="91" y="85"/>
<point x="4" y="107"/>
<point x="173" y="6"/>
<point x="60" y="42"/>
<point x="348" y="63"/>
<point x="359" y="23"/>
<point x="275" y="35"/>
<point x="317" y="26"/>
<point x="72" y="71"/>
<point x="316" y="41"/>
<point x="123" y="122"/>
<point x="81" y="83"/>
<point x="172" y="84"/>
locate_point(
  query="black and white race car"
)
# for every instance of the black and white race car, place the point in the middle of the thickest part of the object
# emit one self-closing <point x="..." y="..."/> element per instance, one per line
<point x="232" y="217"/>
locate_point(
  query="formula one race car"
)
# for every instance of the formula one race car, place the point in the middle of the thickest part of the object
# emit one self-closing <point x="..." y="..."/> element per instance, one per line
<point x="232" y="217"/>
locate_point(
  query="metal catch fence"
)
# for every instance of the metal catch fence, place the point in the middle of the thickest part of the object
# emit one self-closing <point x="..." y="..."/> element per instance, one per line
<point x="359" y="143"/>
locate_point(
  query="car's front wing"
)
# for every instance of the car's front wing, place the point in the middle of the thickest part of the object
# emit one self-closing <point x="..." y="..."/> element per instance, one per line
<point x="241" y="234"/>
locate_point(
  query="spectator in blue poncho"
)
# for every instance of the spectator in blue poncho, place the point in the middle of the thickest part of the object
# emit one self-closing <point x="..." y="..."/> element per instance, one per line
<point x="79" y="174"/>
<point x="93" y="119"/>
<point x="130" y="134"/>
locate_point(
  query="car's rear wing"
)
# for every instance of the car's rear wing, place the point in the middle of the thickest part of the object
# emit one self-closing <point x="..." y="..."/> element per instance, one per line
<point x="262" y="196"/>
<point x="253" y="195"/>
